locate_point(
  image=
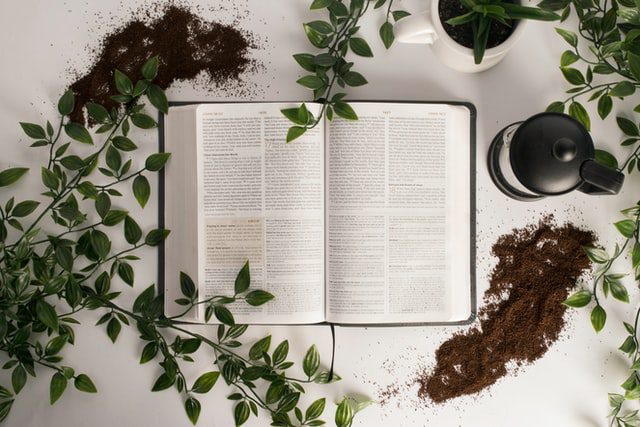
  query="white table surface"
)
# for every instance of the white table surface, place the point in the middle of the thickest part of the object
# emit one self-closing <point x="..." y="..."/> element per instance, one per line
<point x="40" y="41"/>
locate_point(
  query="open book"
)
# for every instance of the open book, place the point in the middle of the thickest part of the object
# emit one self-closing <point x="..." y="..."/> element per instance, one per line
<point x="356" y="222"/>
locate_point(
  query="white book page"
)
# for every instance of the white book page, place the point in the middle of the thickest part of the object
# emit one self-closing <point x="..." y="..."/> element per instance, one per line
<point x="181" y="249"/>
<point x="261" y="200"/>
<point x="398" y="214"/>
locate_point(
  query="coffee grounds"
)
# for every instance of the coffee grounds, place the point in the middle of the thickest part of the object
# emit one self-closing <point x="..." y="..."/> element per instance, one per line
<point x="463" y="34"/>
<point x="187" y="46"/>
<point x="523" y="314"/>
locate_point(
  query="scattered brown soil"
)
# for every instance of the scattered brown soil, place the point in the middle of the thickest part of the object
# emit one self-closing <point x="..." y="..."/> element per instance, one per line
<point x="187" y="45"/>
<point x="522" y="316"/>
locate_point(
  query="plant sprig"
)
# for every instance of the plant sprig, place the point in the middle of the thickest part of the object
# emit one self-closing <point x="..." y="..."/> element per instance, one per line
<point x="62" y="258"/>
<point x="611" y="30"/>
<point x="336" y="37"/>
<point x="610" y="283"/>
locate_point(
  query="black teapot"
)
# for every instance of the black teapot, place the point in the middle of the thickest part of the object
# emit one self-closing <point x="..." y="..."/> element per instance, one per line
<point x="546" y="155"/>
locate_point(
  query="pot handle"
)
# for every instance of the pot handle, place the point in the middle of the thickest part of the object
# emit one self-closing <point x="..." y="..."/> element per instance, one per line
<point x="416" y="29"/>
<point x="600" y="179"/>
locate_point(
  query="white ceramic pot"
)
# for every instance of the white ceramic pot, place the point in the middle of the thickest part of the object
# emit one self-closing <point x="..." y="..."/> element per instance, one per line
<point x="426" y="28"/>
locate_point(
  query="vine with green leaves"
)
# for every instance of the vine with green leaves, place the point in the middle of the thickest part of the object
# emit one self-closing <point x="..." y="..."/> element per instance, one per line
<point x="337" y="37"/>
<point x="611" y="70"/>
<point x="60" y="257"/>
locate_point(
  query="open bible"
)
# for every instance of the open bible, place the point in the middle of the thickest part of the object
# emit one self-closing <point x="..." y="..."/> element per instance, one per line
<point x="356" y="222"/>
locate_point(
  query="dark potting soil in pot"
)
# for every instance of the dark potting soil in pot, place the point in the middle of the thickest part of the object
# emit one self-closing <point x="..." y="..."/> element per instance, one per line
<point x="463" y="34"/>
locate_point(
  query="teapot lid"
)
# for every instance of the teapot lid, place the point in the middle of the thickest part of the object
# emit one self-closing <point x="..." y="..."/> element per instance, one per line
<point x="547" y="151"/>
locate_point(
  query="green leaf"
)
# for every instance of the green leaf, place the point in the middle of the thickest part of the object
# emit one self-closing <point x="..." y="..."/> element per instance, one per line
<point x="556" y="107"/>
<point x="100" y="243"/>
<point x="306" y="61"/>
<point x="258" y="297"/>
<point x="354" y="79"/>
<point x="241" y="413"/>
<point x="125" y="271"/>
<point x="360" y="47"/>
<point x="320" y="4"/>
<point x="325" y="60"/>
<point x="49" y="179"/>
<point x="187" y="287"/>
<point x="261" y="346"/>
<point x="97" y="112"/>
<point x="33" y="130"/>
<point x="156" y="161"/>
<point x="399" y="14"/>
<point x="626" y="227"/>
<point x="243" y="279"/>
<point x="143" y="121"/>
<point x="634" y="64"/>
<point x="72" y="162"/>
<point x="123" y="143"/>
<point x="150" y="68"/>
<point x="598" y="318"/>
<point x="622" y="89"/>
<point x="344" y="110"/>
<point x="47" y="314"/>
<point x="605" y="104"/>
<point x="157" y="98"/>
<point x="315" y="409"/>
<point x="295" y="132"/>
<point x="619" y="291"/>
<point x="84" y="383"/>
<point x="132" y="231"/>
<point x="113" y="329"/>
<point x="157" y="236"/>
<point x="573" y="76"/>
<point x="192" y="407"/>
<point x="141" y="190"/>
<point x="66" y="103"/>
<point x="578" y="112"/>
<point x="223" y="315"/>
<point x="23" y="209"/>
<point x="57" y="386"/>
<point x="569" y="36"/>
<point x="293" y="115"/>
<point x="311" y="361"/>
<point x="123" y="83"/>
<point x="149" y="352"/>
<point x="162" y="383"/>
<point x="635" y="255"/>
<point x="103" y="204"/>
<point x="205" y="382"/>
<point x="568" y="58"/>
<point x="9" y="176"/>
<point x="311" y="82"/>
<point x="78" y="133"/>
<point x="64" y="257"/>
<point x="578" y="299"/>
<point x="321" y="27"/>
<point x="280" y="353"/>
<point x="5" y="408"/>
<point x="596" y="255"/>
<point x="114" y="217"/>
<point x="627" y="126"/>
<point x="606" y="158"/>
<point x="386" y="34"/>
<point x="344" y="414"/>
<point x="18" y="378"/>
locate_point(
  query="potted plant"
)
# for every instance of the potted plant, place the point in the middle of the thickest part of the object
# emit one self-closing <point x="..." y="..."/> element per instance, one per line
<point x="470" y="35"/>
